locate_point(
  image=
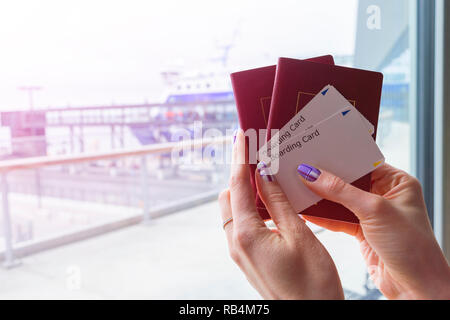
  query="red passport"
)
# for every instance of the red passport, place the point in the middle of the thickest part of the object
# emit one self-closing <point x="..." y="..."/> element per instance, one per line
<point x="297" y="82"/>
<point x="252" y="92"/>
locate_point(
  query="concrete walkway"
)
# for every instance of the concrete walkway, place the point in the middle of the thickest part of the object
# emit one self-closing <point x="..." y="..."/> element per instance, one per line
<point x="180" y="256"/>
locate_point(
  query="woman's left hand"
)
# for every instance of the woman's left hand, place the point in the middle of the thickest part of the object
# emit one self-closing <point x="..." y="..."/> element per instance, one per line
<point x="289" y="263"/>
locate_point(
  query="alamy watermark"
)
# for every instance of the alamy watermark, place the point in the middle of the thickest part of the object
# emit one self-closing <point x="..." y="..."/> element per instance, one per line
<point x="374" y="17"/>
<point x="192" y="150"/>
<point x="73" y="278"/>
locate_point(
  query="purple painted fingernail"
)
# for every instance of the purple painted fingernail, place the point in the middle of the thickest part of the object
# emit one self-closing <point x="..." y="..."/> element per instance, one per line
<point x="234" y="135"/>
<point x="308" y="172"/>
<point x="265" y="172"/>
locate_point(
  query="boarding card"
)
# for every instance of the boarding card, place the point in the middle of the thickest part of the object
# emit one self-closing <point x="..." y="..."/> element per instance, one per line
<point x="326" y="103"/>
<point x="341" y="144"/>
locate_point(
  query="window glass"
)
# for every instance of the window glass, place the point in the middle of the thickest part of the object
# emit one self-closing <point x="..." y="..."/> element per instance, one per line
<point x="128" y="74"/>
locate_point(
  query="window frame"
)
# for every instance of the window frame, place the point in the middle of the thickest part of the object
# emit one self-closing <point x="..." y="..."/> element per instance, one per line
<point x="442" y="126"/>
<point x="422" y="31"/>
<point x="430" y="110"/>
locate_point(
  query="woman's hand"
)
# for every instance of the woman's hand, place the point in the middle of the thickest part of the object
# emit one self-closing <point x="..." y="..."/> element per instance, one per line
<point x="289" y="263"/>
<point x="396" y="238"/>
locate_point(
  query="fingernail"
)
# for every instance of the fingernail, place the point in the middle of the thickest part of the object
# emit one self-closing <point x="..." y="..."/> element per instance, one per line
<point x="309" y="173"/>
<point x="265" y="172"/>
<point x="234" y="135"/>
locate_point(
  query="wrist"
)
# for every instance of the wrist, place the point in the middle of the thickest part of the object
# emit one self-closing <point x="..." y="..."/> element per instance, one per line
<point x="430" y="279"/>
<point x="436" y="286"/>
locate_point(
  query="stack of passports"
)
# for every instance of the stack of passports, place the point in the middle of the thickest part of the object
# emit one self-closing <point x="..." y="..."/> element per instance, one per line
<point x="268" y="97"/>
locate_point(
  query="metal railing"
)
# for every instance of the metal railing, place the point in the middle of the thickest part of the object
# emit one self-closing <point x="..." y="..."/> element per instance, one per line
<point x="7" y="167"/>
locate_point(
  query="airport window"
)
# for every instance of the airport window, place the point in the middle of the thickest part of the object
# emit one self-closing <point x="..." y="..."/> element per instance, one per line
<point x="126" y="87"/>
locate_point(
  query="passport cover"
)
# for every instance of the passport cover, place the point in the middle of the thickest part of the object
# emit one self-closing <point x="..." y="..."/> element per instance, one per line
<point x="297" y="82"/>
<point x="253" y="92"/>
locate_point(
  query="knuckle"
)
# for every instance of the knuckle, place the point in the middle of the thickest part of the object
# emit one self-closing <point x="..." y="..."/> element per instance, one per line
<point x="223" y="196"/>
<point x="242" y="240"/>
<point x="299" y="230"/>
<point x="334" y="184"/>
<point x="235" y="255"/>
<point x="415" y="184"/>
<point x="276" y="197"/>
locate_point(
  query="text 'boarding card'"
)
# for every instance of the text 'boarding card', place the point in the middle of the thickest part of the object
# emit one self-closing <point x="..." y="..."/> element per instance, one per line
<point x="325" y="104"/>
<point x="340" y="144"/>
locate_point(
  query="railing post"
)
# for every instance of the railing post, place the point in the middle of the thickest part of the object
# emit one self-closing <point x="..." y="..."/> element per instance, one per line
<point x="9" y="262"/>
<point x="145" y="190"/>
<point x="37" y="176"/>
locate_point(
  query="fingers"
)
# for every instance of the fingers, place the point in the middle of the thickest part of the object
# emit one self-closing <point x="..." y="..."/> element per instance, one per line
<point x="233" y="246"/>
<point x="242" y="198"/>
<point x="276" y="202"/>
<point x="363" y="204"/>
<point x="226" y="213"/>
<point x="383" y="171"/>
<point x="385" y="178"/>
<point x="337" y="226"/>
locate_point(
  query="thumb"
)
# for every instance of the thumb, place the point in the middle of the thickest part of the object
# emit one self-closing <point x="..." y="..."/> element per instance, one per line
<point x="276" y="202"/>
<point x="365" y="205"/>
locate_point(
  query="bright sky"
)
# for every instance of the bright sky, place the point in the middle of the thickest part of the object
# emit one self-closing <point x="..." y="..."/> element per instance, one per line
<point x="105" y="51"/>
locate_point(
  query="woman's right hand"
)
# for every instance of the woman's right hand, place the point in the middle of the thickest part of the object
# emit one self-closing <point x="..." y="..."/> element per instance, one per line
<point x="396" y="238"/>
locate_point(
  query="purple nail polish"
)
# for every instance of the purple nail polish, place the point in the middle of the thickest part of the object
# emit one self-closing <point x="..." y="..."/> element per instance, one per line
<point x="234" y="135"/>
<point x="265" y="172"/>
<point x="261" y="165"/>
<point x="308" y="172"/>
